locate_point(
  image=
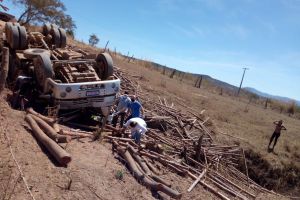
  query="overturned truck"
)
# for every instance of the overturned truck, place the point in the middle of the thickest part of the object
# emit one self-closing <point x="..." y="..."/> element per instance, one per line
<point x="42" y="66"/>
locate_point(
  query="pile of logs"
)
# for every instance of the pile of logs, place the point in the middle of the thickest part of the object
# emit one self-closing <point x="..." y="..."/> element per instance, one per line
<point x="185" y="145"/>
<point x="46" y="130"/>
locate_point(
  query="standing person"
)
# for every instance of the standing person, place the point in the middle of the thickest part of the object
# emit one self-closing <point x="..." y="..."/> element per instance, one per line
<point x="135" y="109"/>
<point x="276" y="133"/>
<point x="121" y="110"/>
<point x="138" y="128"/>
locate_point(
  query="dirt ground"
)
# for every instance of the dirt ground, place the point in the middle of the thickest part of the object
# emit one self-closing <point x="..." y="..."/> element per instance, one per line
<point x="90" y="175"/>
<point x="93" y="170"/>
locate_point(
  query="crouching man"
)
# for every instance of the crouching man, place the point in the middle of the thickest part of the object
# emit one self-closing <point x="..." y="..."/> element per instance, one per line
<point x="138" y="128"/>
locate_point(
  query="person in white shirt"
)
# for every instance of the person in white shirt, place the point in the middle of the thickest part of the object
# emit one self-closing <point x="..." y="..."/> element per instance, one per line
<point x="138" y="128"/>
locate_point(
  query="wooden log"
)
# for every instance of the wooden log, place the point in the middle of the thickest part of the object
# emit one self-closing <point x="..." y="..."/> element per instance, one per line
<point x="4" y="67"/>
<point x="78" y="134"/>
<point x="82" y="126"/>
<point x="139" y="160"/>
<point x="197" y="180"/>
<point x="128" y="140"/>
<point x="151" y="167"/>
<point x="55" y="150"/>
<point x="112" y="128"/>
<point x="182" y="127"/>
<point x="209" y="187"/>
<point x="49" y="131"/>
<point x="225" y="187"/>
<point x="50" y="121"/>
<point x="165" y="162"/>
<point x="144" y="178"/>
<point x="245" y="161"/>
<point x="160" y="180"/>
<point x="56" y="127"/>
<point x="234" y="184"/>
<point x="213" y="190"/>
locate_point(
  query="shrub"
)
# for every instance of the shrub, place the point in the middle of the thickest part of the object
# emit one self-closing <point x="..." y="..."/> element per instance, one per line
<point x="119" y="175"/>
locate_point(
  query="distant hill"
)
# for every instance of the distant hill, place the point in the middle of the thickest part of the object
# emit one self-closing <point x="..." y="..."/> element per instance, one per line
<point x="229" y="87"/>
<point x="266" y="95"/>
<point x="213" y="81"/>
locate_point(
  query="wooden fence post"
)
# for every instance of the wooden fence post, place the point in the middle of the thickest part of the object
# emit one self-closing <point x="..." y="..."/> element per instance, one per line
<point x="106" y="45"/>
<point x="173" y="73"/>
<point x="200" y="81"/>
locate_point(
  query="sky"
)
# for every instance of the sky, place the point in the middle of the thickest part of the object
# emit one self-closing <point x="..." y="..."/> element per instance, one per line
<point x="213" y="37"/>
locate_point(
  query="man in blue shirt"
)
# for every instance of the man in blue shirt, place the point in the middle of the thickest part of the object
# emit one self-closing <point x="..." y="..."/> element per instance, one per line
<point x="121" y="110"/>
<point x="135" y="109"/>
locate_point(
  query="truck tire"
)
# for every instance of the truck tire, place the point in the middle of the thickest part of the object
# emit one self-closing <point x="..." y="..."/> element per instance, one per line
<point x="63" y="38"/>
<point x="104" y="66"/>
<point x="46" y="29"/>
<point x="55" y="37"/>
<point x="8" y="26"/>
<point x="13" y="35"/>
<point x="22" y="37"/>
<point x="34" y="52"/>
<point x="43" y="68"/>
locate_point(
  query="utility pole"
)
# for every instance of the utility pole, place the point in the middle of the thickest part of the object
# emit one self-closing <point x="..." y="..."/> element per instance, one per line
<point x="242" y="80"/>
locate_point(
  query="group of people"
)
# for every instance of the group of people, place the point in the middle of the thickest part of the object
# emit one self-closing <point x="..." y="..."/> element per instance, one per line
<point x="131" y="114"/>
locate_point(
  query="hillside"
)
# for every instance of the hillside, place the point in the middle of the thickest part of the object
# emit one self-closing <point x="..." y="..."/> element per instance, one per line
<point x="266" y="95"/>
<point x="92" y="173"/>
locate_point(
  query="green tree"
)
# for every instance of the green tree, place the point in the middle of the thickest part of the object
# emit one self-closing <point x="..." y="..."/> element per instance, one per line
<point x="93" y="40"/>
<point x="45" y="11"/>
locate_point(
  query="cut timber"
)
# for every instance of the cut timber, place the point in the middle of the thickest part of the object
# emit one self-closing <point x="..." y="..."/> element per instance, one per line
<point x="50" y="132"/>
<point x="4" y="67"/>
<point x="56" y="151"/>
<point x="213" y="190"/>
<point x="151" y="167"/>
<point x="139" y="160"/>
<point x="144" y="178"/>
<point x="56" y="127"/>
<point x="76" y="134"/>
<point x="50" y="121"/>
<point x="197" y="180"/>
<point x="82" y="126"/>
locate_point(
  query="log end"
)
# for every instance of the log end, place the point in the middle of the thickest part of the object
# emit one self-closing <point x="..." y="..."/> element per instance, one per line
<point x="65" y="160"/>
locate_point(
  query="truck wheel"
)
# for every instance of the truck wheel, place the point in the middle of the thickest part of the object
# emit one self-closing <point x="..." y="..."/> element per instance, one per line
<point x="63" y="38"/>
<point x="22" y="37"/>
<point x="104" y="66"/>
<point x="13" y="35"/>
<point x="46" y="29"/>
<point x="55" y="37"/>
<point x="43" y="68"/>
<point x="8" y="26"/>
<point x="34" y="52"/>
